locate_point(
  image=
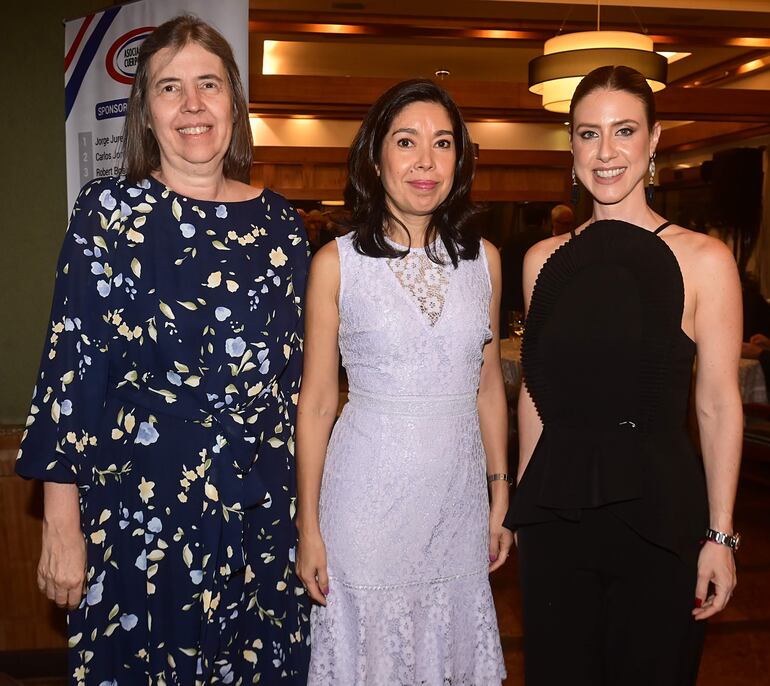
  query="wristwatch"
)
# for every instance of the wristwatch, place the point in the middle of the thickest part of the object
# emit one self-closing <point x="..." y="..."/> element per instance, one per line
<point x="732" y="541"/>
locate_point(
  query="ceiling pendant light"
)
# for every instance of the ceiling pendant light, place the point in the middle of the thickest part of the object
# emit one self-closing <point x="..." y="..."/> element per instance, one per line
<point x="568" y="58"/>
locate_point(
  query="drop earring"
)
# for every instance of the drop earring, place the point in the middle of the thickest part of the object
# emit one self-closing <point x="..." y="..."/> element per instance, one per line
<point x="575" y="195"/>
<point x="651" y="185"/>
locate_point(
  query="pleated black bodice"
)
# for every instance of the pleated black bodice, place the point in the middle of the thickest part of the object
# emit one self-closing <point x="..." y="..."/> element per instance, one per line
<point x="609" y="368"/>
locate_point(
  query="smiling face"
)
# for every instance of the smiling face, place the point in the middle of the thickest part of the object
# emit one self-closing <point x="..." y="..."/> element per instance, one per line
<point x="417" y="162"/>
<point x="191" y="112"/>
<point x="612" y="145"/>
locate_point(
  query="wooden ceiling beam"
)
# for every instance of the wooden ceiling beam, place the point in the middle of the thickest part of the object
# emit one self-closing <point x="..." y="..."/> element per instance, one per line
<point x="699" y="135"/>
<point x="752" y="62"/>
<point x="334" y="26"/>
<point x="349" y="97"/>
<point x="714" y="104"/>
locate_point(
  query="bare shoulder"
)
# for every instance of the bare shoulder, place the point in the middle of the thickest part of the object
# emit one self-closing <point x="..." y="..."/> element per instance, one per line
<point x="491" y="251"/>
<point x="493" y="264"/>
<point x="538" y="254"/>
<point x="698" y="251"/>
<point x="324" y="275"/>
<point x="327" y="259"/>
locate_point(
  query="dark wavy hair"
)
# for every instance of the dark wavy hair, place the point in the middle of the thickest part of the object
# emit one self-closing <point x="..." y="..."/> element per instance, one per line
<point x="615" y="78"/>
<point x="365" y="194"/>
<point x="141" y="154"/>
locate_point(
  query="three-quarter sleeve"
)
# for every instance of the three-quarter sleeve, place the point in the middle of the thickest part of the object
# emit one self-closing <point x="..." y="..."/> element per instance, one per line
<point x="62" y="428"/>
<point x="300" y="260"/>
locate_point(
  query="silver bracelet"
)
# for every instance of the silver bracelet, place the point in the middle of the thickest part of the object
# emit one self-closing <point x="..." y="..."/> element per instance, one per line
<point x="499" y="477"/>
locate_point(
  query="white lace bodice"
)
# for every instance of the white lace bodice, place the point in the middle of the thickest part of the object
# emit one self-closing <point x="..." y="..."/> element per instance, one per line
<point x="409" y="326"/>
<point x="424" y="280"/>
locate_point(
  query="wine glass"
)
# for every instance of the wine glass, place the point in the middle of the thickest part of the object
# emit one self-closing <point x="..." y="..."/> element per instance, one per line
<point x="515" y="324"/>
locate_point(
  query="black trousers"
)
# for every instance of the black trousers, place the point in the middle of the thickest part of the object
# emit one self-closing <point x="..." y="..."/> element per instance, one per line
<point x="604" y="607"/>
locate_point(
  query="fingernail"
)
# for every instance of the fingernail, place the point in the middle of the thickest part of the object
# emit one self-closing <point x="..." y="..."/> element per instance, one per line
<point x="492" y="558"/>
<point x="326" y="591"/>
<point x="698" y="602"/>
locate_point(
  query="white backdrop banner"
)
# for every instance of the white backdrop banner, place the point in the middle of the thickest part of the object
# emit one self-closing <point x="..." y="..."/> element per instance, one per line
<point x="99" y="65"/>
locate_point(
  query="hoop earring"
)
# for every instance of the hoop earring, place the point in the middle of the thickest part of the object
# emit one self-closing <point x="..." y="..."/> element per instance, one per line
<point x="651" y="185"/>
<point x="575" y="194"/>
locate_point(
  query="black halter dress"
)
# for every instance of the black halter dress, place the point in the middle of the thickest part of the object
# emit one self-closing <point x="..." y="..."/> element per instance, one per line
<point x="609" y="369"/>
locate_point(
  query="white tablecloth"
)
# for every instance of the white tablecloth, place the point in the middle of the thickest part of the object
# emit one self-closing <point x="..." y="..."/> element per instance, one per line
<point x="751" y="380"/>
<point x="510" y="353"/>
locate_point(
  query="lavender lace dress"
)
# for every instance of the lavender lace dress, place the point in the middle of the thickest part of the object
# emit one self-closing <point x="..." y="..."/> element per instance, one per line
<point x="404" y="510"/>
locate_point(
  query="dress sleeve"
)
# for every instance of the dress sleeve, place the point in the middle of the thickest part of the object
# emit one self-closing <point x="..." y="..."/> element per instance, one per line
<point x="301" y="265"/>
<point x="300" y="259"/>
<point x="67" y="403"/>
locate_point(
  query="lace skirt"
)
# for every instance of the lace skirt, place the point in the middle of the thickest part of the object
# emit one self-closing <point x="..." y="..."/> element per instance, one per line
<point x="404" y="515"/>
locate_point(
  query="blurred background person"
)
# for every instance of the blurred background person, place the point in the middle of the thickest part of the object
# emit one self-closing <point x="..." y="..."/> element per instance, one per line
<point x="512" y="254"/>
<point x="562" y="220"/>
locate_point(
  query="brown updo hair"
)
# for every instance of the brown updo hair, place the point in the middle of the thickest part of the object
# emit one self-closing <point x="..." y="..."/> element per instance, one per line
<point x="615" y="78"/>
<point x="141" y="154"/>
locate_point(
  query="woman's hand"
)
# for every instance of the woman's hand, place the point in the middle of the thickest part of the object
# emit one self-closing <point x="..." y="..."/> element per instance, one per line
<point x="760" y="340"/>
<point x="311" y="566"/>
<point x="500" y="542"/>
<point x="716" y="565"/>
<point x="61" y="572"/>
<point x="750" y="351"/>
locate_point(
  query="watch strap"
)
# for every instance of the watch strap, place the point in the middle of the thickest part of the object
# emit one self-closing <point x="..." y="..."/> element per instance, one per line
<point x="732" y="541"/>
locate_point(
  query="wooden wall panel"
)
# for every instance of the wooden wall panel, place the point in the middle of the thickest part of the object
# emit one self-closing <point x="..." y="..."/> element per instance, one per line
<point x="28" y="621"/>
<point x="504" y="175"/>
<point x="301" y="182"/>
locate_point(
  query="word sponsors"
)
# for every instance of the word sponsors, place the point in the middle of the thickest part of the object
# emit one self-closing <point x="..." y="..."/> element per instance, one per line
<point x="111" y="108"/>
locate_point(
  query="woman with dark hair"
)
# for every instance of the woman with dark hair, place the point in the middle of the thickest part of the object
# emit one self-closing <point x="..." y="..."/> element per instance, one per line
<point x="396" y="533"/>
<point x="162" y="421"/>
<point x="624" y="546"/>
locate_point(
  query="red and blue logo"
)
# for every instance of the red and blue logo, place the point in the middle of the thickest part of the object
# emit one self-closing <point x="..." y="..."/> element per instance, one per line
<point x="123" y="55"/>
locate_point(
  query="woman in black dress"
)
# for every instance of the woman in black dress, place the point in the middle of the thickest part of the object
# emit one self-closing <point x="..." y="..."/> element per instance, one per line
<point x="613" y="504"/>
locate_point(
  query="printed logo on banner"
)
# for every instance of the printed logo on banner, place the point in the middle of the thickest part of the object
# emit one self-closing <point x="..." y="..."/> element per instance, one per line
<point x="123" y="55"/>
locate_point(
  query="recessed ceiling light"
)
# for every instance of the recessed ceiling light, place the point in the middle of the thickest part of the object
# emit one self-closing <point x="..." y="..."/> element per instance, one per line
<point x="672" y="57"/>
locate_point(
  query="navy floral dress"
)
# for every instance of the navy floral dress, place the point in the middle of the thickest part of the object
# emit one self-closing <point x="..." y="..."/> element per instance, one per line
<point x="167" y="393"/>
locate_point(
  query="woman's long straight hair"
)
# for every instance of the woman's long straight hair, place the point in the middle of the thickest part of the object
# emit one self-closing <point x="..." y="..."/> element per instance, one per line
<point x="365" y="195"/>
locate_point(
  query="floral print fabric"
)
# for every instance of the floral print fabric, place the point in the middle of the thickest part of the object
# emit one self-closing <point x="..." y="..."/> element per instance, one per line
<point x="167" y="393"/>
